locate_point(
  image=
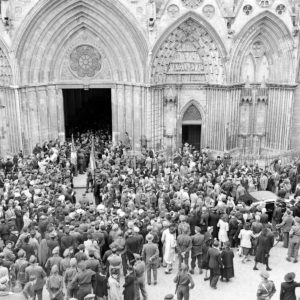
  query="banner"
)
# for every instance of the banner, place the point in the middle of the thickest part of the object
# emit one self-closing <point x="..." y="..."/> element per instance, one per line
<point x="92" y="158"/>
<point x="73" y="152"/>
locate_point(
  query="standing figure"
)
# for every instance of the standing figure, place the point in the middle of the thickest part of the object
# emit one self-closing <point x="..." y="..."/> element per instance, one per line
<point x="100" y="287"/>
<point x="150" y="254"/>
<point x="184" y="282"/>
<point x="294" y="243"/>
<point x="184" y="246"/>
<point x="83" y="280"/>
<point x="264" y="244"/>
<point x="266" y="288"/>
<point x="197" y="250"/>
<point x="54" y="284"/>
<point x="129" y="285"/>
<point x="227" y="256"/>
<point x="169" y="242"/>
<point x="37" y="271"/>
<point x="287" y="290"/>
<point x="70" y="273"/>
<point x="223" y="231"/>
<point x="114" y="289"/>
<point x="245" y="237"/>
<point x="214" y="263"/>
<point x="139" y="268"/>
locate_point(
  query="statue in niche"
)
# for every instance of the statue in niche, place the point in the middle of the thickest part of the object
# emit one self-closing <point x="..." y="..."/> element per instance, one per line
<point x="258" y="49"/>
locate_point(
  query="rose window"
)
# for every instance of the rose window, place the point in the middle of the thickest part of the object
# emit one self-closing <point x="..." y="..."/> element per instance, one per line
<point x="85" y="61"/>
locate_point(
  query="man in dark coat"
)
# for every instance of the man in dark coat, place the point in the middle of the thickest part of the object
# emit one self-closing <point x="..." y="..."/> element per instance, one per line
<point x="129" y="285"/>
<point x="287" y="291"/>
<point x="66" y="241"/>
<point x="214" y="263"/>
<point x="213" y="221"/>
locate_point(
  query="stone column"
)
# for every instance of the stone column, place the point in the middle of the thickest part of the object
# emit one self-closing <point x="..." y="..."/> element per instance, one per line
<point x="136" y="118"/>
<point x="33" y="114"/>
<point x="61" y="116"/>
<point x="43" y="113"/>
<point x="53" y="113"/>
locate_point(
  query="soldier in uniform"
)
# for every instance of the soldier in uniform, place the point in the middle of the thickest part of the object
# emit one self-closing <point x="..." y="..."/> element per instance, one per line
<point x="184" y="282"/>
<point x="54" y="260"/>
<point x="37" y="271"/>
<point x="92" y="263"/>
<point x="184" y="246"/>
<point x="54" y="284"/>
<point x="197" y="250"/>
<point x="68" y="277"/>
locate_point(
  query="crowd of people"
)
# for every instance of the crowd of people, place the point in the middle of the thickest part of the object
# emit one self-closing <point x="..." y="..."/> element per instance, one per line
<point x="146" y="212"/>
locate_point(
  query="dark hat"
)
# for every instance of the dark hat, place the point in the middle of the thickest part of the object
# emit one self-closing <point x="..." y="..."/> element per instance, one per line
<point x="289" y="277"/>
<point x="169" y="297"/>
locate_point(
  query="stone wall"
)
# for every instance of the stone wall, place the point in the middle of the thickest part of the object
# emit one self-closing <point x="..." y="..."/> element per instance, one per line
<point x="236" y="62"/>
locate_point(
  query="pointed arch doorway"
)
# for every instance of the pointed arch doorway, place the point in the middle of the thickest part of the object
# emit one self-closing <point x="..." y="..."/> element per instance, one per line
<point x="191" y="127"/>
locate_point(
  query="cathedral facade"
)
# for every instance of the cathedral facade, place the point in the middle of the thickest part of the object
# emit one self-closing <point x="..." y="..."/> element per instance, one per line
<point x="217" y="73"/>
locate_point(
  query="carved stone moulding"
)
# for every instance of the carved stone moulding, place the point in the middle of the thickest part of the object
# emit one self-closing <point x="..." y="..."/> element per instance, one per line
<point x="85" y="61"/>
<point x="264" y="3"/>
<point x="248" y="9"/>
<point x="280" y="9"/>
<point x="192" y="3"/>
<point x="262" y="99"/>
<point x="173" y="10"/>
<point x="246" y="100"/>
<point x="208" y="11"/>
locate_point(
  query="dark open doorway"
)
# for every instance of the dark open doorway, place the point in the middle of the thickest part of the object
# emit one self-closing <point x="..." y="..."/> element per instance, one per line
<point x="192" y="134"/>
<point x="87" y="110"/>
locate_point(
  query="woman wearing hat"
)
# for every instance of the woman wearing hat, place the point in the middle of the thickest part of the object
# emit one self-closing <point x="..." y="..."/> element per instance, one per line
<point x="287" y="290"/>
<point x="266" y="288"/>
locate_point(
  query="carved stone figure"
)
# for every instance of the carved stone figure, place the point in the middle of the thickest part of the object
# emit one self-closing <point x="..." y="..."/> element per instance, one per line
<point x="188" y="50"/>
<point x="173" y="10"/>
<point x="258" y="49"/>
<point x="265" y="3"/>
<point x="208" y="11"/>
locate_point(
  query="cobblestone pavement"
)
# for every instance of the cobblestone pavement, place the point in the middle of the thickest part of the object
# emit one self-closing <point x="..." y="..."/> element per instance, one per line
<point x="243" y="286"/>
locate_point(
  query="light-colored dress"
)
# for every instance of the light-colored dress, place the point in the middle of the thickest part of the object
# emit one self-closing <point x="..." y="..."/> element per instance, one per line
<point x="223" y="236"/>
<point x="245" y="237"/>
<point x="114" y="291"/>
<point x="169" y="241"/>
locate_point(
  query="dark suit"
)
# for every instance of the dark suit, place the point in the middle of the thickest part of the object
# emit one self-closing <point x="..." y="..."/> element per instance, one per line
<point x="215" y="265"/>
<point x="287" y="291"/>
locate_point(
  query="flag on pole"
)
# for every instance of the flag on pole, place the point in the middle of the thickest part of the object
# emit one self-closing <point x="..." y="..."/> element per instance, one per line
<point x="92" y="158"/>
<point x="73" y="152"/>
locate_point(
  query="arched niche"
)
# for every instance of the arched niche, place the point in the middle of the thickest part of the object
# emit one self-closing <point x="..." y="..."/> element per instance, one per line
<point x="267" y="40"/>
